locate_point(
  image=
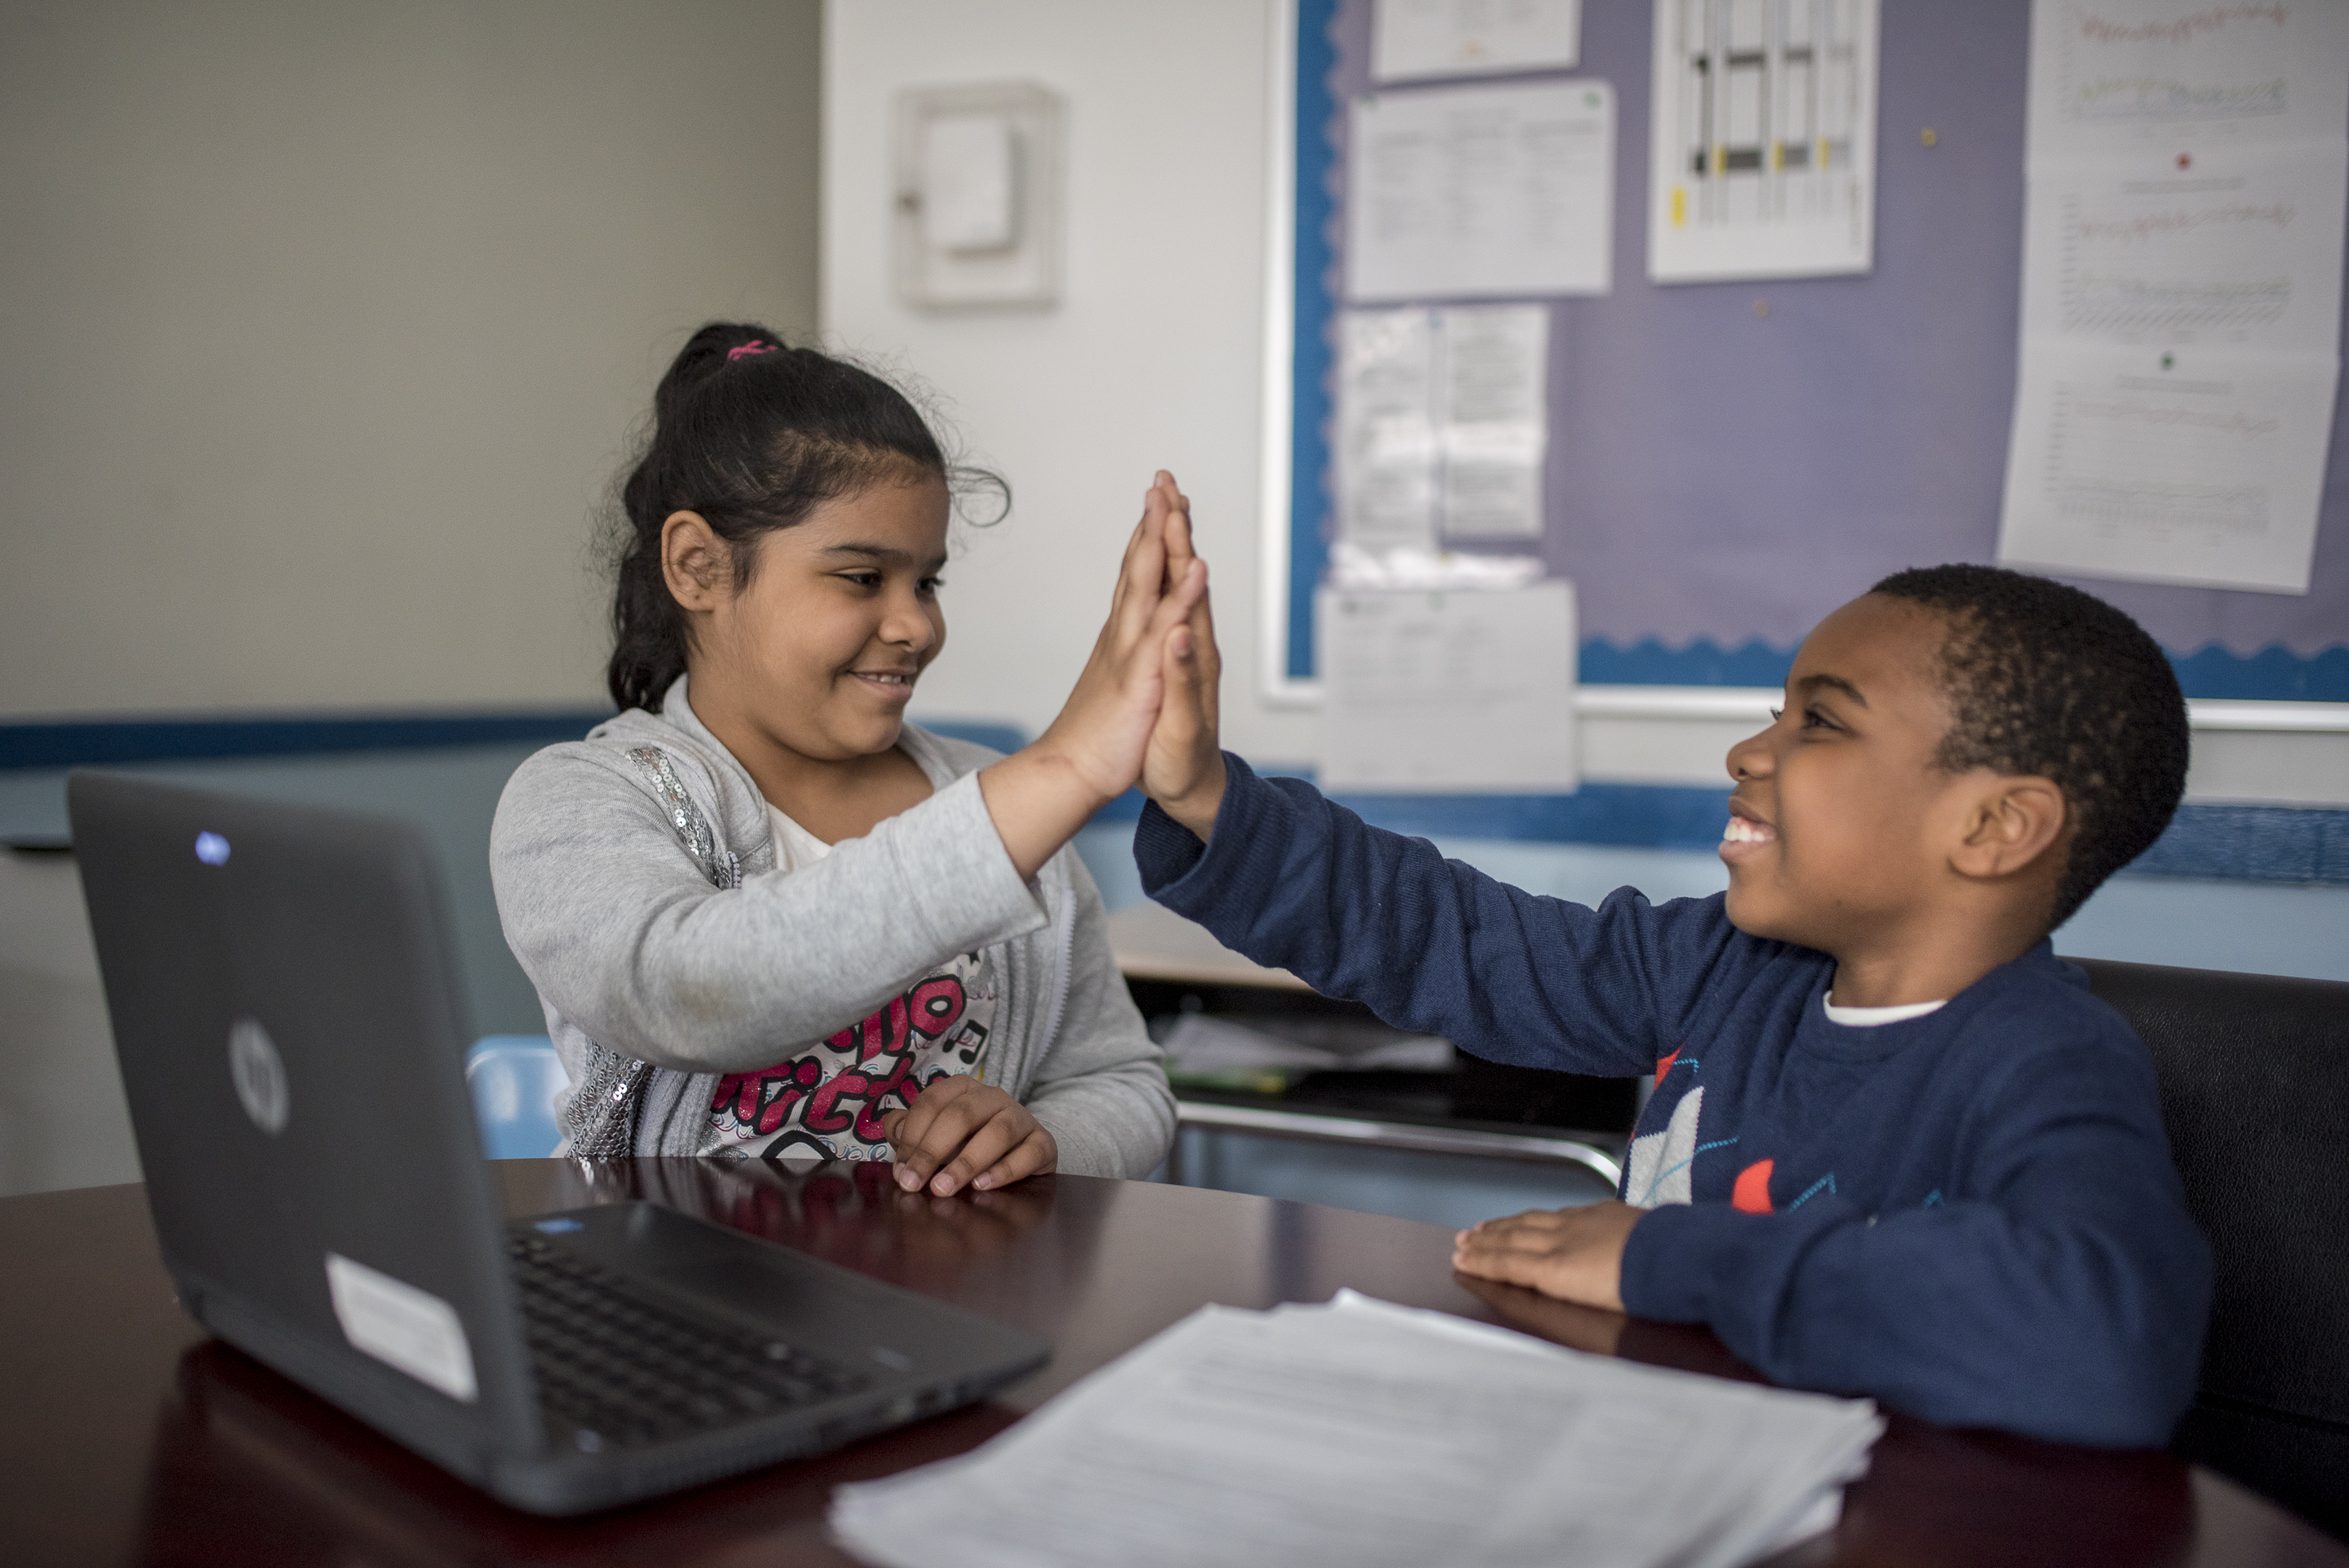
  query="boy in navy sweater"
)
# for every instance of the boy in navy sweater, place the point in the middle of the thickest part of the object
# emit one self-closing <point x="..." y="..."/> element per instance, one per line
<point x="1895" y="1147"/>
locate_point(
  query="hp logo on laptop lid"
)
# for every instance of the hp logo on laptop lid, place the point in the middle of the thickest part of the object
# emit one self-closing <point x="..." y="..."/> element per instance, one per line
<point x="259" y="1074"/>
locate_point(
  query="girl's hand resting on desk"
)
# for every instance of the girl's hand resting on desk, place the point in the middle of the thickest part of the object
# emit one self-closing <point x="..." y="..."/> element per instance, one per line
<point x="961" y="1133"/>
<point x="1182" y="770"/>
<point x="1575" y="1254"/>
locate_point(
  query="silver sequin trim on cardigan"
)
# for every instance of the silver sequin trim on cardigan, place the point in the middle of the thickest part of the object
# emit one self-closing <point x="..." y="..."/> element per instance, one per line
<point x="600" y="1122"/>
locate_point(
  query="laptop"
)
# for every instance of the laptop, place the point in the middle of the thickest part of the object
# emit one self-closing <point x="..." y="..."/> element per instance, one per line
<point x="288" y="1021"/>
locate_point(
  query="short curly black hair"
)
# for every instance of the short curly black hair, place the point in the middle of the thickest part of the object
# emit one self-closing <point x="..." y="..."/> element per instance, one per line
<point x="2046" y="680"/>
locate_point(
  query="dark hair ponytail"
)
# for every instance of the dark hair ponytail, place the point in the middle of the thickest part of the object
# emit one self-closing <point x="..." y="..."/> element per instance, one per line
<point x="752" y="435"/>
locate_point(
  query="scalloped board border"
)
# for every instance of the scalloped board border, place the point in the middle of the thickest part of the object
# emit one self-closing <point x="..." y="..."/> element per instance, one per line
<point x="2275" y="674"/>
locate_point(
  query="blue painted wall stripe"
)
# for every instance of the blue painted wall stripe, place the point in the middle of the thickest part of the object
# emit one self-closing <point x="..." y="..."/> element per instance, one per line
<point x="2232" y="843"/>
<point x="2254" y="843"/>
<point x="105" y="743"/>
<point x="98" y="743"/>
<point x="2271" y="674"/>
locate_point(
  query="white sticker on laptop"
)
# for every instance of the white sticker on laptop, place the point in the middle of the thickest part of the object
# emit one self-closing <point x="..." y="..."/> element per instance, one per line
<point x="402" y="1326"/>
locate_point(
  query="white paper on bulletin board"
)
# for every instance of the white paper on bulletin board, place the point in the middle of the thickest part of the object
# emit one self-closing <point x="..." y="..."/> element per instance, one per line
<point x="1442" y="424"/>
<point x="2182" y="263"/>
<point x="2192" y="466"/>
<point x="2229" y="245"/>
<point x="1762" y="140"/>
<point x="1466" y="691"/>
<point x="2120" y="76"/>
<point x="1492" y="410"/>
<point x="1481" y="192"/>
<point x="1423" y="38"/>
<point x="1386" y="462"/>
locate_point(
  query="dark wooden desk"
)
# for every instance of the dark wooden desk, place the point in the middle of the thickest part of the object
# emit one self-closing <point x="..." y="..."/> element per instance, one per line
<point x="129" y="1437"/>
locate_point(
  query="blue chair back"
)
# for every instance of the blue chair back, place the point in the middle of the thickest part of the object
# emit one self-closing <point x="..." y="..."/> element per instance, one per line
<point x="514" y="1079"/>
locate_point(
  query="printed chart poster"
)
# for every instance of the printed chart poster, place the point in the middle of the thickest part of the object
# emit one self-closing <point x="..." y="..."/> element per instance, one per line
<point x="2236" y="245"/>
<point x="1762" y="140"/>
<point x="2118" y="75"/>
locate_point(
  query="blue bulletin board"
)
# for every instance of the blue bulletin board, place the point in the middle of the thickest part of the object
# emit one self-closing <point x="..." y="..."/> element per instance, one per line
<point x="1729" y="461"/>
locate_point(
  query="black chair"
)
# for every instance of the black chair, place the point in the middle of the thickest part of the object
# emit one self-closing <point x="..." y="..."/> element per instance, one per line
<point x="2254" y="1073"/>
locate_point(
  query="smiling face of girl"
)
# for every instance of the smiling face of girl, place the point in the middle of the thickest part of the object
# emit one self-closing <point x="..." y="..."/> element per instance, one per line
<point x="809" y="665"/>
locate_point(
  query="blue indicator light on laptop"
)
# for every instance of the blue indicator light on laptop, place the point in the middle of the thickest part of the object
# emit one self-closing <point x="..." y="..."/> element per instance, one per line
<point x="556" y="1227"/>
<point x="211" y="848"/>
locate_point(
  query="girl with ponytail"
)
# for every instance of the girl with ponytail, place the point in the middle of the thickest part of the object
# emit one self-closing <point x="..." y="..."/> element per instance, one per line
<point x="766" y="916"/>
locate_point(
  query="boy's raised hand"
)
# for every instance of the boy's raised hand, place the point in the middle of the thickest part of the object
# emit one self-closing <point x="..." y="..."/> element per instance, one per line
<point x="1575" y="1254"/>
<point x="1107" y="721"/>
<point x="1182" y="770"/>
<point x="1093" y="751"/>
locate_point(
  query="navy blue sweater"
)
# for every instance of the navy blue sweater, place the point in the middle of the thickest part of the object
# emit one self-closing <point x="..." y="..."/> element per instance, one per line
<point x="1970" y="1216"/>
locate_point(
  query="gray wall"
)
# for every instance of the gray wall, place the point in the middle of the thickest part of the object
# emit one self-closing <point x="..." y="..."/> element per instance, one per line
<point x="322" y="326"/>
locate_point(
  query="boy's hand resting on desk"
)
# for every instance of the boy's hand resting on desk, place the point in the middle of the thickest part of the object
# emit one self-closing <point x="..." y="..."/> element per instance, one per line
<point x="1574" y="1255"/>
<point x="1183" y="768"/>
<point x="961" y="1133"/>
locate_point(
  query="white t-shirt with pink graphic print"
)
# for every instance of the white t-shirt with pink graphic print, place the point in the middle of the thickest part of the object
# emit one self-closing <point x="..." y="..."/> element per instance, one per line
<point x="826" y="1099"/>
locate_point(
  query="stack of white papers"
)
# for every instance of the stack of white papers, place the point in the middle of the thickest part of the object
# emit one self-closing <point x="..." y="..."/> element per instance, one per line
<point x="1361" y="1433"/>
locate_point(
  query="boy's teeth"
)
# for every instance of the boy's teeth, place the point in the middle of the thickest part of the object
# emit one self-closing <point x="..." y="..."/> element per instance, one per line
<point x="1742" y="831"/>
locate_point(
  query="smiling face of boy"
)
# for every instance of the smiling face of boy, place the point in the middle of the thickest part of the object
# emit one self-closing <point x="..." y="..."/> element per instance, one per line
<point x="1844" y="834"/>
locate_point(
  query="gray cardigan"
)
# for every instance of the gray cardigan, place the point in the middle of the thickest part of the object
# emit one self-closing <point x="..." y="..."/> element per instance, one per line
<point x="636" y="879"/>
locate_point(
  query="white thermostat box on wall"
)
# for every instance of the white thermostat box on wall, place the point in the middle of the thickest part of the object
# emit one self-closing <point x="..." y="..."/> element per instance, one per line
<point x="978" y="173"/>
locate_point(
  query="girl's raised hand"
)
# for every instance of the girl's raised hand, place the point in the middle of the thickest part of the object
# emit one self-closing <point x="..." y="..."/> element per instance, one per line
<point x="1092" y="752"/>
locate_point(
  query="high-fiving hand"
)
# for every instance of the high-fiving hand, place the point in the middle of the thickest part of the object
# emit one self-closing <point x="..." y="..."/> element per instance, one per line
<point x="1106" y="726"/>
<point x="1145" y="704"/>
<point x="1092" y="752"/>
<point x="1183" y="768"/>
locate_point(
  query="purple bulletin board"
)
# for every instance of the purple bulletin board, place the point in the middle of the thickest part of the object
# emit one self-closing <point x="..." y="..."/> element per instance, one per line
<point x="1719" y="478"/>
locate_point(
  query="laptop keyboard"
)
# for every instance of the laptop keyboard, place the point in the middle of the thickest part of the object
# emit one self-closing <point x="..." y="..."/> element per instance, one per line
<point x="625" y="1370"/>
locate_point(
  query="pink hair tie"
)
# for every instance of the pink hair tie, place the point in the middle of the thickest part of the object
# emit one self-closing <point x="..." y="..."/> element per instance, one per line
<point x="743" y="351"/>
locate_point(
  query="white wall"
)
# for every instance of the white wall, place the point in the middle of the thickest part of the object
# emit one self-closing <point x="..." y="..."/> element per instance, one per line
<point x="1152" y="359"/>
<point x="321" y="325"/>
